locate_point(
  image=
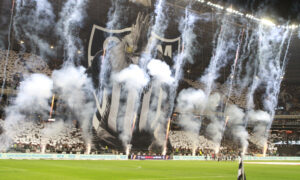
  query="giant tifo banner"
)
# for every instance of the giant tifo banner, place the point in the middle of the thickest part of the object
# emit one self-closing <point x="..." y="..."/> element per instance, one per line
<point x="62" y="156"/>
<point x="114" y="102"/>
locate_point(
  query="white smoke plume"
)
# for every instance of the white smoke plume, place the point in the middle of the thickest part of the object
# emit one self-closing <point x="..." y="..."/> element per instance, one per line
<point x="74" y="86"/>
<point x="216" y="127"/>
<point x="187" y="96"/>
<point x="261" y="120"/>
<point x="142" y="2"/>
<point x="224" y="51"/>
<point x="134" y="79"/>
<point x="70" y="19"/>
<point x="33" y="96"/>
<point x="52" y="129"/>
<point x="160" y="71"/>
<point x="268" y="72"/>
<point x="194" y="101"/>
<point x="235" y="117"/>
<point x="189" y="101"/>
<point x="187" y="119"/>
<point x="70" y="83"/>
<point x="271" y="67"/>
<point x="34" y="91"/>
<point x="161" y="79"/>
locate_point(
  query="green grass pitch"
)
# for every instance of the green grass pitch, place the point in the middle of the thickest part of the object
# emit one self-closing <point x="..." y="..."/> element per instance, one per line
<point x="139" y="170"/>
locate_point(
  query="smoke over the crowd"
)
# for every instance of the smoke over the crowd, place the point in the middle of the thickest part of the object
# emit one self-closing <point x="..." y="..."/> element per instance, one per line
<point x="235" y="117"/>
<point x="33" y="96"/>
<point x="216" y="126"/>
<point x="266" y="68"/>
<point x="189" y="102"/>
<point x="71" y="83"/>
<point x="75" y="88"/>
<point x="261" y="119"/>
<point x="266" y="53"/>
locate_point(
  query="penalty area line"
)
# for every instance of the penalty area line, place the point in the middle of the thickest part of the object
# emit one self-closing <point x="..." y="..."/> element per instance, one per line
<point x="275" y="163"/>
<point x="179" y="178"/>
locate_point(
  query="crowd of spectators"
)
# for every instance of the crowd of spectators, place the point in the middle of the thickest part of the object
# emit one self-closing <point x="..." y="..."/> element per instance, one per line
<point x="46" y="138"/>
<point x="62" y="137"/>
<point x="18" y="65"/>
<point x="185" y="143"/>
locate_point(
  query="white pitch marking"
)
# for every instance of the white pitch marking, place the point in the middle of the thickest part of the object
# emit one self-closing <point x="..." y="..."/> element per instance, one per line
<point x="275" y="163"/>
<point x="178" y="178"/>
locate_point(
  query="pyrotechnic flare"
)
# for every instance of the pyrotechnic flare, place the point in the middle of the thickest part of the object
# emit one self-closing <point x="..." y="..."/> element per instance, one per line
<point x="226" y="121"/>
<point x="231" y="78"/>
<point x="233" y="68"/>
<point x="133" y="124"/>
<point x="51" y="109"/>
<point x="265" y="149"/>
<point x="88" y="148"/>
<point x="43" y="148"/>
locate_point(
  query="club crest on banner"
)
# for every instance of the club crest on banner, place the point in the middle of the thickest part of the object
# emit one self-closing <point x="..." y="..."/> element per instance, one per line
<point x="99" y="38"/>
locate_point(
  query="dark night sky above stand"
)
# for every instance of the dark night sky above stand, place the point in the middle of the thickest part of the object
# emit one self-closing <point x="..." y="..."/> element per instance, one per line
<point x="278" y="9"/>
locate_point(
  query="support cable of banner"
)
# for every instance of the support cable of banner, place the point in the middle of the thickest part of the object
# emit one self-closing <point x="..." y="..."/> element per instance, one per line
<point x="8" y="49"/>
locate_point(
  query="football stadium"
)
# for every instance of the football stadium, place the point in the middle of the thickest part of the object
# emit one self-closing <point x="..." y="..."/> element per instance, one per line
<point x="149" y="89"/>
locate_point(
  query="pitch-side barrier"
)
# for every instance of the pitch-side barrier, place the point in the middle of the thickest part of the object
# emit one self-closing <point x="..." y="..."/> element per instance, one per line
<point x="62" y="156"/>
<point x="246" y="158"/>
<point x="33" y="156"/>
